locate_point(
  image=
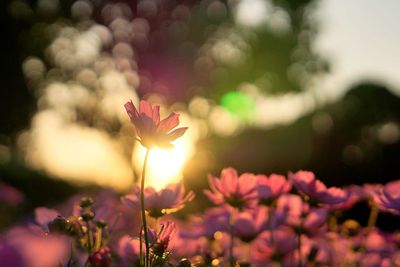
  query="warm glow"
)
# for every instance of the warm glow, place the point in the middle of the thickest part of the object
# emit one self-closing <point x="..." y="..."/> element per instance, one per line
<point x="164" y="166"/>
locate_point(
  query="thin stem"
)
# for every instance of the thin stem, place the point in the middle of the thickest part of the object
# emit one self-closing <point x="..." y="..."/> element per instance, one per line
<point x="373" y="216"/>
<point x="146" y="240"/>
<point x="231" y="257"/>
<point x="299" y="248"/>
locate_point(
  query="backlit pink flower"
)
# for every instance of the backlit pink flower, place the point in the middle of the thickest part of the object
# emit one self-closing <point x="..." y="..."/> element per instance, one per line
<point x="306" y="183"/>
<point x="151" y="131"/>
<point x="157" y="203"/>
<point x="162" y="241"/>
<point x="269" y="188"/>
<point x="237" y="191"/>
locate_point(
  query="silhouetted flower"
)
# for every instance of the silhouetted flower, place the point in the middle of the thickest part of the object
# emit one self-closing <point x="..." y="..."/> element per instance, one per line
<point x="237" y="191"/>
<point x="307" y="184"/>
<point x="157" y="203"/>
<point x="151" y="131"/>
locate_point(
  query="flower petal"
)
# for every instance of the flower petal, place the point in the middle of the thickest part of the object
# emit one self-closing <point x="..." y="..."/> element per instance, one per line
<point x="145" y="108"/>
<point x="168" y="123"/>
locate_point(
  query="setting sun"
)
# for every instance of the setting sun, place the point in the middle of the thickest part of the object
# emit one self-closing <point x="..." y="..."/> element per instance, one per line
<point x="164" y="166"/>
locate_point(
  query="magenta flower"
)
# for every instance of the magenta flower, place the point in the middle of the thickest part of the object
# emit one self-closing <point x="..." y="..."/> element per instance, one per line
<point x="249" y="224"/>
<point x="237" y="191"/>
<point x="388" y="197"/>
<point x="272" y="187"/>
<point x="151" y="131"/>
<point x="168" y="200"/>
<point x="307" y="184"/>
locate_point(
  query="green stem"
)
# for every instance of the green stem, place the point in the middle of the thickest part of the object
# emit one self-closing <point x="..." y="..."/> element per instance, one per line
<point x="146" y="240"/>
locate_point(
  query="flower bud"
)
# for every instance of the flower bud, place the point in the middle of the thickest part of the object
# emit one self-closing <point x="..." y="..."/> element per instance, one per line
<point x="101" y="258"/>
<point x="59" y="225"/>
<point x="184" y="263"/>
<point x="86" y="202"/>
<point x="87" y="215"/>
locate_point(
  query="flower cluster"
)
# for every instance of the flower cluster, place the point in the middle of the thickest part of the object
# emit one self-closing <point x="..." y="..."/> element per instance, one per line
<point x="258" y="221"/>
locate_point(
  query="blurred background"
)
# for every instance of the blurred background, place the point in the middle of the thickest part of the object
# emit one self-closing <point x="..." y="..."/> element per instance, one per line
<point x="264" y="86"/>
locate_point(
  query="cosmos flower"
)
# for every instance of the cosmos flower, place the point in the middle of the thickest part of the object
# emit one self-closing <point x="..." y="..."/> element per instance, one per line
<point x="269" y="188"/>
<point x="151" y="131"/>
<point x="250" y="223"/>
<point x="157" y="203"/>
<point x="307" y="184"/>
<point x="388" y="197"/>
<point x="236" y="191"/>
<point x="160" y="242"/>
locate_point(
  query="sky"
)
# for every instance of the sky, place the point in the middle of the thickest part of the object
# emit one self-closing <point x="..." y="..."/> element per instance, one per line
<point x="361" y="39"/>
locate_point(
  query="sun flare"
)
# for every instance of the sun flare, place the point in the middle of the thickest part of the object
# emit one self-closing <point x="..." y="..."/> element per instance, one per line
<point x="164" y="166"/>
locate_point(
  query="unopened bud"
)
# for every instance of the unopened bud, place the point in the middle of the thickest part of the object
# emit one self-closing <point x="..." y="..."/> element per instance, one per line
<point x="86" y="202"/>
<point x="101" y="258"/>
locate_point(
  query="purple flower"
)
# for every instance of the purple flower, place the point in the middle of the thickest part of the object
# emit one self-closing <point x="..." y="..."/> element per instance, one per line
<point x="273" y="245"/>
<point x="313" y="188"/>
<point x="168" y="200"/>
<point x="129" y="250"/>
<point x="236" y="191"/>
<point x="388" y="197"/>
<point x="249" y="224"/>
<point x="269" y="188"/>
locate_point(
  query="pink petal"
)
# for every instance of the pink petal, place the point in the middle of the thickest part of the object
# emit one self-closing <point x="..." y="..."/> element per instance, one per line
<point x="131" y="110"/>
<point x="176" y="133"/>
<point x="168" y="123"/>
<point x="156" y="115"/>
<point x="145" y="108"/>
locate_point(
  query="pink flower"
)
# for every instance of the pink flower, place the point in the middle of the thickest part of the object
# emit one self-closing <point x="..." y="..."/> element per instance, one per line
<point x="273" y="245"/>
<point x="237" y="191"/>
<point x="151" y="131"/>
<point x="160" y="242"/>
<point x="298" y="214"/>
<point x="168" y="200"/>
<point x="388" y="197"/>
<point x="249" y="224"/>
<point x="307" y="184"/>
<point x="354" y="194"/>
<point x="272" y="187"/>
